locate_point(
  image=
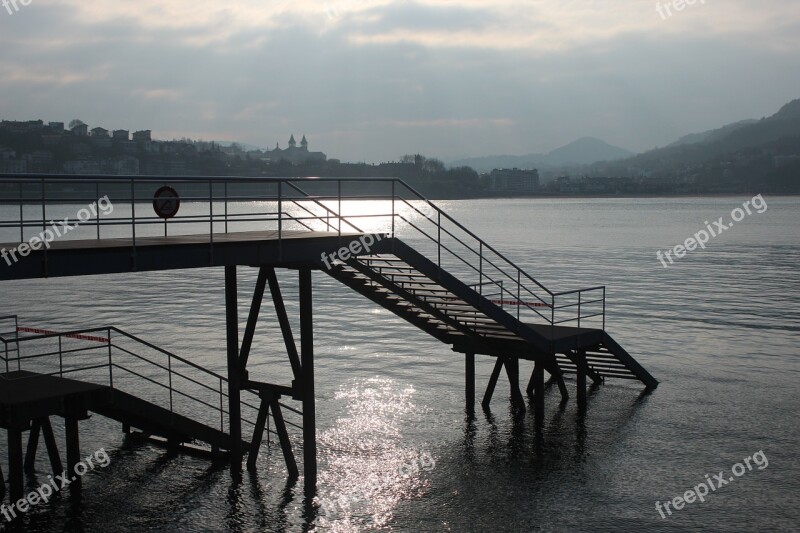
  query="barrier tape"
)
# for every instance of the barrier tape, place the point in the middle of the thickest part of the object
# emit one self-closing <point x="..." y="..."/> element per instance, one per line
<point x="38" y="331"/>
<point x="514" y="302"/>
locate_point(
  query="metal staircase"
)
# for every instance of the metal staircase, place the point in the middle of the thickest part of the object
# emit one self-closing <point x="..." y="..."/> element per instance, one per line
<point x="427" y="296"/>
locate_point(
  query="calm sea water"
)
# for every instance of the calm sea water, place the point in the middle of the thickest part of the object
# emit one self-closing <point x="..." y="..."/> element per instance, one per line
<point x="720" y="329"/>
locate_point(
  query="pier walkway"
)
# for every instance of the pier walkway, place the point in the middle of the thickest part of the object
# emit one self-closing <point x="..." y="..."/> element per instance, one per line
<point x="378" y="237"/>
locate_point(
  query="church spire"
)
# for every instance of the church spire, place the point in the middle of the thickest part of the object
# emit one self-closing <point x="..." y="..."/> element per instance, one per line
<point x="304" y="143"/>
<point x="292" y="142"/>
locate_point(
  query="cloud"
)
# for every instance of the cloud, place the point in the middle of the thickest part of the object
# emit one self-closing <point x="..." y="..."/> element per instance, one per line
<point x="380" y="78"/>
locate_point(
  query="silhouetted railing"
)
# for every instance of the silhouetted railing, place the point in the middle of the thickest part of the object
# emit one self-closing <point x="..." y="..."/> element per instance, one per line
<point x="211" y="206"/>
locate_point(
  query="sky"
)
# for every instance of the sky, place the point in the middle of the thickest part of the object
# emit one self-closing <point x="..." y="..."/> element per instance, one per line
<point x="371" y="80"/>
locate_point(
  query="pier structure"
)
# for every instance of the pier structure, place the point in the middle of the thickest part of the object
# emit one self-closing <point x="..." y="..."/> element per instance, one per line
<point x="377" y="236"/>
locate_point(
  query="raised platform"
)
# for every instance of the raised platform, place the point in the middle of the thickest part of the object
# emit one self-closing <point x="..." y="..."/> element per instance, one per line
<point x="288" y="248"/>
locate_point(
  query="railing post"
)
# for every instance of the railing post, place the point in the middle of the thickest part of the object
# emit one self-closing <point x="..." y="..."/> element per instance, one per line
<point x="44" y="221"/>
<point x="221" y="408"/>
<point x="393" y="215"/>
<point x="16" y="339"/>
<point x="280" y="219"/>
<point x="60" y="358"/>
<point x="133" y="219"/>
<point x="604" y="308"/>
<point x="439" y="238"/>
<point x="97" y="194"/>
<point x="21" y="215"/>
<point x="169" y="372"/>
<point x="519" y="292"/>
<point x="339" y="211"/>
<point x="480" y="269"/>
<point x="579" y="308"/>
<point x="110" y="364"/>
<point x="226" y="206"/>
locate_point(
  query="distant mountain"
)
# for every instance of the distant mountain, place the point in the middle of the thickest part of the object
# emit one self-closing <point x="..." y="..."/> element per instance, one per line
<point x="584" y="151"/>
<point x="746" y="154"/>
<point x="712" y="135"/>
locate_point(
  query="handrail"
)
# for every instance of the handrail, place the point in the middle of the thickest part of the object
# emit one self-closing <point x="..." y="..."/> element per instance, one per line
<point x="306" y="207"/>
<point x="107" y="350"/>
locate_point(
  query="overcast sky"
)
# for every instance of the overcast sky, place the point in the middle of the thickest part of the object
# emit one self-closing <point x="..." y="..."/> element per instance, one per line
<point x="373" y="80"/>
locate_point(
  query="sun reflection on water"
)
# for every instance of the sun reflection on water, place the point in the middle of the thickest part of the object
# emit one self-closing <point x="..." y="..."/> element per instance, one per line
<point x="370" y="467"/>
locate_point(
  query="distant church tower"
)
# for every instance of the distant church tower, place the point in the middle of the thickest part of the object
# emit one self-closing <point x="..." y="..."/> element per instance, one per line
<point x="304" y="144"/>
<point x="292" y="142"/>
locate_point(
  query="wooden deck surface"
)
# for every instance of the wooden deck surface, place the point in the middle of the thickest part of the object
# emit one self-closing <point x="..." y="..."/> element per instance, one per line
<point x="23" y="387"/>
<point x="173" y="240"/>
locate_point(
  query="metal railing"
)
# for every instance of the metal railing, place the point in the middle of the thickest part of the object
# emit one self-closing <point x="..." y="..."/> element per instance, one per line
<point x="109" y="356"/>
<point x="218" y="205"/>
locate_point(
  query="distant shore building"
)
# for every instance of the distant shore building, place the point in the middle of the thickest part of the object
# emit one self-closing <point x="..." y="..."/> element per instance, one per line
<point x="80" y="130"/>
<point x="142" y="136"/>
<point x="293" y="154"/>
<point x="513" y="180"/>
<point x="121" y="135"/>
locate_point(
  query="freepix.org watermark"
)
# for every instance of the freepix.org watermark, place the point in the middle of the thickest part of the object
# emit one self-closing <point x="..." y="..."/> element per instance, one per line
<point x="363" y="244"/>
<point x="665" y="9"/>
<point x="712" y="483"/>
<point x="719" y="226"/>
<point x="58" y="229"/>
<point x="61" y="481"/>
<point x="12" y="6"/>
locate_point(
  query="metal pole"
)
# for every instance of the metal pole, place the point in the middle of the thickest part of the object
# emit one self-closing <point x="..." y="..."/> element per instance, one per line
<point x="339" y="212"/>
<point x="97" y="194"/>
<point x="579" y="308"/>
<point x="133" y="219"/>
<point x="307" y="362"/>
<point x="110" y="364"/>
<point x="44" y="222"/>
<point x="439" y="239"/>
<point x="169" y="371"/>
<point x="221" y="408"/>
<point x="604" y="308"/>
<point x="280" y="219"/>
<point x="480" y="269"/>
<point x="226" y="206"/>
<point x="393" y="215"/>
<point x="60" y="358"/>
<point x="234" y="400"/>
<point x="470" y="388"/>
<point x="21" y="215"/>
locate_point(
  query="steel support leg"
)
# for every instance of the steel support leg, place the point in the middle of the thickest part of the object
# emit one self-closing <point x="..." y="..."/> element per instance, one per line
<point x="470" y="385"/>
<point x="73" y="450"/>
<point x="15" y="468"/>
<point x="52" y="447"/>
<point x="258" y="434"/>
<point x="234" y="405"/>
<point x="581" y="378"/>
<point x="307" y="362"/>
<point x="33" y="445"/>
<point x="487" y="397"/>
<point x="538" y="389"/>
<point x="512" y="371"/>
<point x="283" y="436"/>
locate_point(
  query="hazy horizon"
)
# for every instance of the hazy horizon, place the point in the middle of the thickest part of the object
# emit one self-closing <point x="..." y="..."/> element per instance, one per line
<point x="369" y="80"/>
